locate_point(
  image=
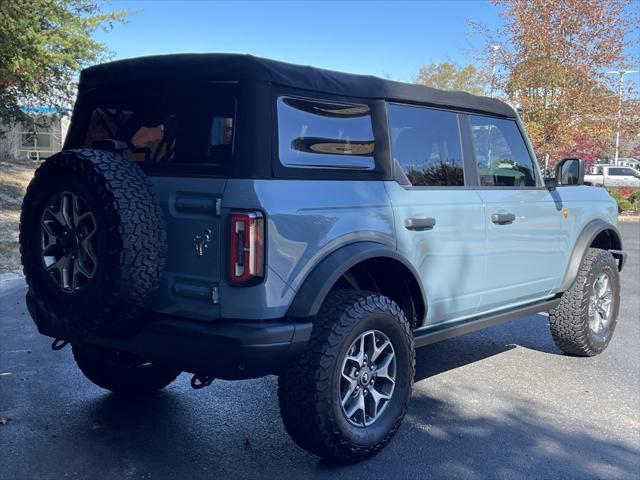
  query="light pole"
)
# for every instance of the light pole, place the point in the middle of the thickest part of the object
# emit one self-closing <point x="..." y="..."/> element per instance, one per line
<point x="494" y="47"/>
<point x="621" y="74"/>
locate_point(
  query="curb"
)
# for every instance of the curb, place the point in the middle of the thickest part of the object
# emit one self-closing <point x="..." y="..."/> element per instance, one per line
<point x="629" y="218"/>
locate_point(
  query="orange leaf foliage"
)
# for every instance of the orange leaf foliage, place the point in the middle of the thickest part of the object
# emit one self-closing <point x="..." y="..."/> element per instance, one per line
<point x="553" y="63"/>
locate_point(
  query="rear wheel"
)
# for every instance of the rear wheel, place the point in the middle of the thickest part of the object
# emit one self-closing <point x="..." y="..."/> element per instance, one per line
<point x="122" y="373"/>
<point x="345" y="397"/>
<point x="584" y="321"/>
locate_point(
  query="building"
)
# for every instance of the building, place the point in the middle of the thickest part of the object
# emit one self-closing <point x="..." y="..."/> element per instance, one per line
<point x="36" y="143"/>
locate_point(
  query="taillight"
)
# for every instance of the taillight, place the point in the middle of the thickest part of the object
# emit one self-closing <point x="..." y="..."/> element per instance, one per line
<point x="246" y="240"/>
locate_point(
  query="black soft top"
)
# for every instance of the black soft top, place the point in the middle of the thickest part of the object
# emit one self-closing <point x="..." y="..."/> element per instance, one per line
<point x="237" y="67"/>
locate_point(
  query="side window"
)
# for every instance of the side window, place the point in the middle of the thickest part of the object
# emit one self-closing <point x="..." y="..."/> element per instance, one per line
<point x="322" y="134"/>
<point x="502" y="156"/>
<point x="619" y="172"/>
<point x="426" y="145"/>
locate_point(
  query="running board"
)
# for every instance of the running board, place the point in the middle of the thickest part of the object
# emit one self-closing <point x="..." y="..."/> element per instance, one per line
<point x="437" y="333"/>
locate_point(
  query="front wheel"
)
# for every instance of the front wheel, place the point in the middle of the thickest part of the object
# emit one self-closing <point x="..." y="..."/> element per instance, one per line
<point x="584" y="321"/>
<point x="345" y="397"/>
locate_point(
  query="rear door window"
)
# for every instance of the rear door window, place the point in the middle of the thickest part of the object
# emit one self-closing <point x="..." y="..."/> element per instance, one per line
<point x="426" y="147"/>
<point x="323" y="134"/>
<point x="165" y="128"/>
<point x="501" y="154"/>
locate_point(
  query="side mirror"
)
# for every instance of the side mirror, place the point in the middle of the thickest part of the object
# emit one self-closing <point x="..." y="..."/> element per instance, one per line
<point x="570" y="171"/>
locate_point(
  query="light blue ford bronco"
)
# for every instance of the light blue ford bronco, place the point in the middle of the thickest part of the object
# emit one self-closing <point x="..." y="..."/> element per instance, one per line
<point x="235" y="217"/>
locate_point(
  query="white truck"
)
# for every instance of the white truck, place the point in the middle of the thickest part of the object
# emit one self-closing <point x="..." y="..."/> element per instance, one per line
<point x="613" y="176"/>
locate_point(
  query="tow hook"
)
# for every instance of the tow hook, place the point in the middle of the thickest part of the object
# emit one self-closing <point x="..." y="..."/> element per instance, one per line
<point x="200" y="381"/>
<point x="59" y="344"/>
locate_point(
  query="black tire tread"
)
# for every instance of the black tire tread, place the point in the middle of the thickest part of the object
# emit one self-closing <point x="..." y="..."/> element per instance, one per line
<point x="136" y="231"/>
<point x="569" y="320"/>
<point x="302" y="388"/>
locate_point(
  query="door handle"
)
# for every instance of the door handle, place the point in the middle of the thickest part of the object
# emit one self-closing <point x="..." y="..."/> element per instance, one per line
<point x="419" y="223"/>
<point x="503" y="218"/>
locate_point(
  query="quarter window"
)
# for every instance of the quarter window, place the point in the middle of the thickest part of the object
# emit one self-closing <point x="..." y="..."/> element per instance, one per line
<point x="319" y="134"/>
<point x="426" y="145"/>
<point x="501" y="154"/>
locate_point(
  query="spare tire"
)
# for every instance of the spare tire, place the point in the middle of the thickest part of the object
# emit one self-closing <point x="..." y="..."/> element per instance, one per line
<point x="92" y="242"/>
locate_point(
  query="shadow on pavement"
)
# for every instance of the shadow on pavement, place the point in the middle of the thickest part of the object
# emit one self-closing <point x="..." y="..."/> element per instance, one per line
<point x="522" y="440"/>
<point x="166" y="436"/>
<point x="471" y="429"/>
<point x="530" y="332"/>
<point x="161" y="438"/>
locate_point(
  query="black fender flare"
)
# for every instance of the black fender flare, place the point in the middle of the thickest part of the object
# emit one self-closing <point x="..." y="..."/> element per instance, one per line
<point x="584" y="241"/>
<point x="325" y="274"/>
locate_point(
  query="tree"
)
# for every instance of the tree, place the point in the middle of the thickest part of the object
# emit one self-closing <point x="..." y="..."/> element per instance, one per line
<point x="585" y="146"/>
<point x="441" y="173"/>
<point x="43" y="46"/>
<point x="553" y="60"/>
<point x="450" y="76"/>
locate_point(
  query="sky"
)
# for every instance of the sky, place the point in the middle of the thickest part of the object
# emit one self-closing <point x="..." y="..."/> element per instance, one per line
<point x="384" y="38"/>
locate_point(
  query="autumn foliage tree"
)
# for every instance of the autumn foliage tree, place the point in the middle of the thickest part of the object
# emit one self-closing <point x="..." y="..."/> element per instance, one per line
<point x="553" y="61"/>
<point x="450" y="76"/>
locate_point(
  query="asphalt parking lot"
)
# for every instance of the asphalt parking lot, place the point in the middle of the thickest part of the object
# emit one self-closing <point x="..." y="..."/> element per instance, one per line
<point x="501" y="403"/>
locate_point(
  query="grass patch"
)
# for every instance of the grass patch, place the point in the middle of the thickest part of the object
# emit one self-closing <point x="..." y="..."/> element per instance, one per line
<point x="15" y="175"/>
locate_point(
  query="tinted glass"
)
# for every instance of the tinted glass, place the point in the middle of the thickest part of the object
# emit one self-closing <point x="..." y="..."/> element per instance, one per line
<point x="426" y="145"/>
<point x="165" y="129"/>
<point x="618" y="172"/>
<point x="318" y="134"/>
<point x="502" y="156"/>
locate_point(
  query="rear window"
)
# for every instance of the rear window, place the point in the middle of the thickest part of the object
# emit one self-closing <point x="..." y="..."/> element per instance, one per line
<point x="166" y="129"/>
<point x="321" y="134"/>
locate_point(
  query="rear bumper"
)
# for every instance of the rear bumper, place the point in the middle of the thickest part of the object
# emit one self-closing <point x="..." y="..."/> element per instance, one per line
<point x="226" y="349"/>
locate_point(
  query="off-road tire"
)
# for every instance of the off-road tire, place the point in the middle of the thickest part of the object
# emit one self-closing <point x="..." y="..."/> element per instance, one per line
<point x="307" y="391"/>
<point x="569" y="321"/>
<point x="131" y="242"/>
<point x="120" y="373"/>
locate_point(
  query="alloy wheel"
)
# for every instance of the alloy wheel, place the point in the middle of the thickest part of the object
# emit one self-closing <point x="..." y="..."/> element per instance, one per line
<point x="600" y="304"/>
<point x="68" y="231"/>
<point x="368" y="378"/>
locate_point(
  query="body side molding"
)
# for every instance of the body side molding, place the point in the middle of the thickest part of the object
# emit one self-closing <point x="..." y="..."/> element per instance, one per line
<point x="437" y="333"/>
